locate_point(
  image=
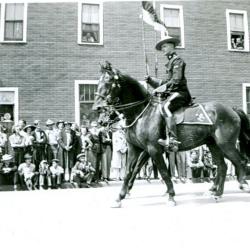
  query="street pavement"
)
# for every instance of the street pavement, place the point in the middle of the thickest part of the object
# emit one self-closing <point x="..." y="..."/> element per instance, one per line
<point x="83" y="218"/>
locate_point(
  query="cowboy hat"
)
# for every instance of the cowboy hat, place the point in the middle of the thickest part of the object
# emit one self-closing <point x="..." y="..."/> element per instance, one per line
<point x="36" y="122"/>
<point x="7" y="157"/>
<point x="29" y="126"/>
<point x="49" y="122"/>
<point x="167" y="39"/>
<point x="93" y="124"/>
<point x="27" y="156"/>
<point x="80" y="155"/>
<point x="55" y="160"/>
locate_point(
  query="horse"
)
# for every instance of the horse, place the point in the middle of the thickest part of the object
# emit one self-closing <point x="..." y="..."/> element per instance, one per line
<point x="145" y="125"/>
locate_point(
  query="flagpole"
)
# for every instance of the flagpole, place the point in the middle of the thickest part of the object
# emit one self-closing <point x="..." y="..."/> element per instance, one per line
<point x="156" y="57"/>
<point x="144" y="46"/>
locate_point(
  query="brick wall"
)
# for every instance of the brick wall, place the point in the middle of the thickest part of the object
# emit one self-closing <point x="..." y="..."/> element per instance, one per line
<point x="46" y="67"/>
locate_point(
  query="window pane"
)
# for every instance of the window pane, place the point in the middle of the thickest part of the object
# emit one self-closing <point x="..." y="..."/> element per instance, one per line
<point x="248" y="94"/>
<point x="13" y="31"/>
<point x="236" y="22"/>
<point x="248" y="108"/>
<point x="90" y="33"/>
<point x="18" y="30"/>
<point x="14" y="12"/>
<point x="171" y="17"/>
<point x="9" y="31"/>
<point x="90" y="13"/>
<point x="175" y="32"/>
<point x="87" y="92"/>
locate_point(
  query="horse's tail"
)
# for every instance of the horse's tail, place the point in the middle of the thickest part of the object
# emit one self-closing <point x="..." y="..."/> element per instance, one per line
<point x="244" y="137"/>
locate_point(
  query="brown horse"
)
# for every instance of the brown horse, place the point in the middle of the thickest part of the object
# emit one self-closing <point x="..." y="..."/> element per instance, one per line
<point x="145" y="126"/>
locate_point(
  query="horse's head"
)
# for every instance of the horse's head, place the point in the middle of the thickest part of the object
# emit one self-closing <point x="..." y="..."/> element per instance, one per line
<point x="109" y="87"/>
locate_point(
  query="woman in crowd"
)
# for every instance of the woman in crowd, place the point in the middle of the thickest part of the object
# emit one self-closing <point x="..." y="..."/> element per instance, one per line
<point x="106" y="140"/>
<point x="29" y="139"/>
<point x="17" y="142"/>
<point x="85" y="143"/>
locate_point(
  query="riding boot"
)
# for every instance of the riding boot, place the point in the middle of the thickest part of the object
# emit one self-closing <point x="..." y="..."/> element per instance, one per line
<point x="171" y="143"/>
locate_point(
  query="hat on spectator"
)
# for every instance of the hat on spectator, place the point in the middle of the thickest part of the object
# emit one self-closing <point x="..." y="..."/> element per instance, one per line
<point x="27" y="156"/>
<point x="80" y="155"/>
<point x="44" y="161"/>
<point x="60" y="121"/>
<point x="67" y="123"/>
<point x="7" y="157"/>
<point x="49" y="122"/>
<point x="93" y="124"/>
<point x="167" y="39"/>
<point x="29" y="126"/>
<point x="36" y="122"/>
<point x="55" y="160"/>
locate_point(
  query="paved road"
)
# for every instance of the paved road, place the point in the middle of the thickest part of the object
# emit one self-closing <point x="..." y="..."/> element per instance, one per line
<point x="77" y="218"/>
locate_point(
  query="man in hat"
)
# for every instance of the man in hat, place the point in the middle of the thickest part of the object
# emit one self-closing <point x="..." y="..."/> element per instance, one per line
<point x="52" y="140"/>
<point x="56" y="173"/>
<point x="28" y="174"/>
<point x="82" y="172"/>
<point x="8" y="171"/>
<point x="175" y="86"/>
<point x="67" y="141"/>
<point x="44" y="175"/>
<point x="39" y="143"/>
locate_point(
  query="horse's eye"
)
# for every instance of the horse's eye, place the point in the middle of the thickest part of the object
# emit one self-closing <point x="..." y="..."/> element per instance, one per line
<point x="113" y="85"/>
<point x="116" y="77"/>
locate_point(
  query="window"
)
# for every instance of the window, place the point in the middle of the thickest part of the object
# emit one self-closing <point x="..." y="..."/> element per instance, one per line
<point x="90" y="27"/>
<point x="84" y="100"/>
<point x="246" y="98"/>
<point x="172" y="16"/>
<point x="237" y="30"/>
<point x="13" y="22"/>
<point x="9" y="104"/>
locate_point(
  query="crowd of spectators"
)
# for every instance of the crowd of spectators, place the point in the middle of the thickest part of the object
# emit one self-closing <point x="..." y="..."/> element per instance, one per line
<point x="33" y="156"/>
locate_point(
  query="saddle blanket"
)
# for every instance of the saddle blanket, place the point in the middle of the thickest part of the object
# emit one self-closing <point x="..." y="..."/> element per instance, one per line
<point x="195" y="114"/>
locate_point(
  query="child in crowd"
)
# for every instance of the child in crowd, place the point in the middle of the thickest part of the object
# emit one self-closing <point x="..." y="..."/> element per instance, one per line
<point x="44" y="174"/>
<point x="56" y="173"/>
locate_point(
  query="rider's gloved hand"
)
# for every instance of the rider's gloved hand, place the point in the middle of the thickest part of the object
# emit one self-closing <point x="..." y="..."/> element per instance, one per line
<point x="147" y="79"/>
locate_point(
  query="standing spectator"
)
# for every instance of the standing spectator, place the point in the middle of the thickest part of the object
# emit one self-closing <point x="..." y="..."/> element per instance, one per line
<point x="60" y="125"/>
<point x="17" y="142"/>
<point x="8" y="171"/>
<point x="118" y="165"/>
<point x="172" y="166"/>
<point x="194" y="161"/>
<point x="39" y="143"/>
<point x="181" y="165"/>
<point x="52" y="135"/>
<point x="3" y="140"/>
<point x="28" y="174"/>
<point x="56" y="174"/>
<point x="82" y="171"/>
<point x="85" y="142"/>
<point x="75" y="128"/>
<point x="209" y="165"/>
<point x="106" y="144"/>
<point x="67" y="141"/>
<point x="29" y="139"/>
<point x="44" y="175"/>
<point x="95" y="150"/>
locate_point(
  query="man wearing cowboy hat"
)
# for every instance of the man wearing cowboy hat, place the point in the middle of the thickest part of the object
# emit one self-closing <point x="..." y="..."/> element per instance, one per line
<point x="52" y="140"/>
<point x="8" y="171"/>
<point x="82" y="171"/>
<point x="175" y="86"/>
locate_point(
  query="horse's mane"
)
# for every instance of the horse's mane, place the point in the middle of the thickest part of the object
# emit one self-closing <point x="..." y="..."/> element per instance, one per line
<point x="138" y="89"/>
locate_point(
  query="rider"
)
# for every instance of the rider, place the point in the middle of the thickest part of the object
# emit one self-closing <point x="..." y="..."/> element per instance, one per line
<point x="175" y="86"/>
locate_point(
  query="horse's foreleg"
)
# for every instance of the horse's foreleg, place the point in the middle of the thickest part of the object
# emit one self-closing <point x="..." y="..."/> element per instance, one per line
<point x="158" y="160"/>
<point x="143" y="158"/>
<point x="133" y="154"/>
<point x="220" y="178"/>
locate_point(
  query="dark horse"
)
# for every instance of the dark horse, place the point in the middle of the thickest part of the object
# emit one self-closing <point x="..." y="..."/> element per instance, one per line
<point x="145" y="126"/>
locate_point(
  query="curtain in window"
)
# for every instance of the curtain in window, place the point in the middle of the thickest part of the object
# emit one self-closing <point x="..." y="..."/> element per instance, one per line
<point x="236" y="22"/>
<point x="171" y="17"/>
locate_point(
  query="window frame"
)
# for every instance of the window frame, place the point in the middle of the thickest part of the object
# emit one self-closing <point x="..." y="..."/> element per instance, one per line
<point x="245" y="20"/>
<point x="16" y="101"/>
<point x="2" y="23"/>
<point x="180" y="8"/>
<point x="79" y="36"/>
<point x="77" y="95"/>
<point x="244" y="96"/>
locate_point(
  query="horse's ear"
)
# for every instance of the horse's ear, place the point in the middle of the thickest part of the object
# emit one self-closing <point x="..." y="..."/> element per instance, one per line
<point x="108" y="65"/>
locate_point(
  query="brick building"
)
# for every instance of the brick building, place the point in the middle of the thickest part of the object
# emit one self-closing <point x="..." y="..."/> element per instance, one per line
<point x="50" y="52"/>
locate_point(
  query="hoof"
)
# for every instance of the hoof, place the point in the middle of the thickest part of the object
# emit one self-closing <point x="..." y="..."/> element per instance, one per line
<point x="171" y="203"/>
<point x="128" y="194"/>
<point x="116" y="204"/>
<point x="217" y="198"/>
<point x="245" y="187"/>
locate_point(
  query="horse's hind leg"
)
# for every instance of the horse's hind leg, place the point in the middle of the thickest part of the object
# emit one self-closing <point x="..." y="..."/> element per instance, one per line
<point x="158" y="160"/>
<point x="218" y="158"/>
<point x="143" y="158"/>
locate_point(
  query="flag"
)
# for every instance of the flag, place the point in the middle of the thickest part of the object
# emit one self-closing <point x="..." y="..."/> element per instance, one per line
<point x="150" y="17"/>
